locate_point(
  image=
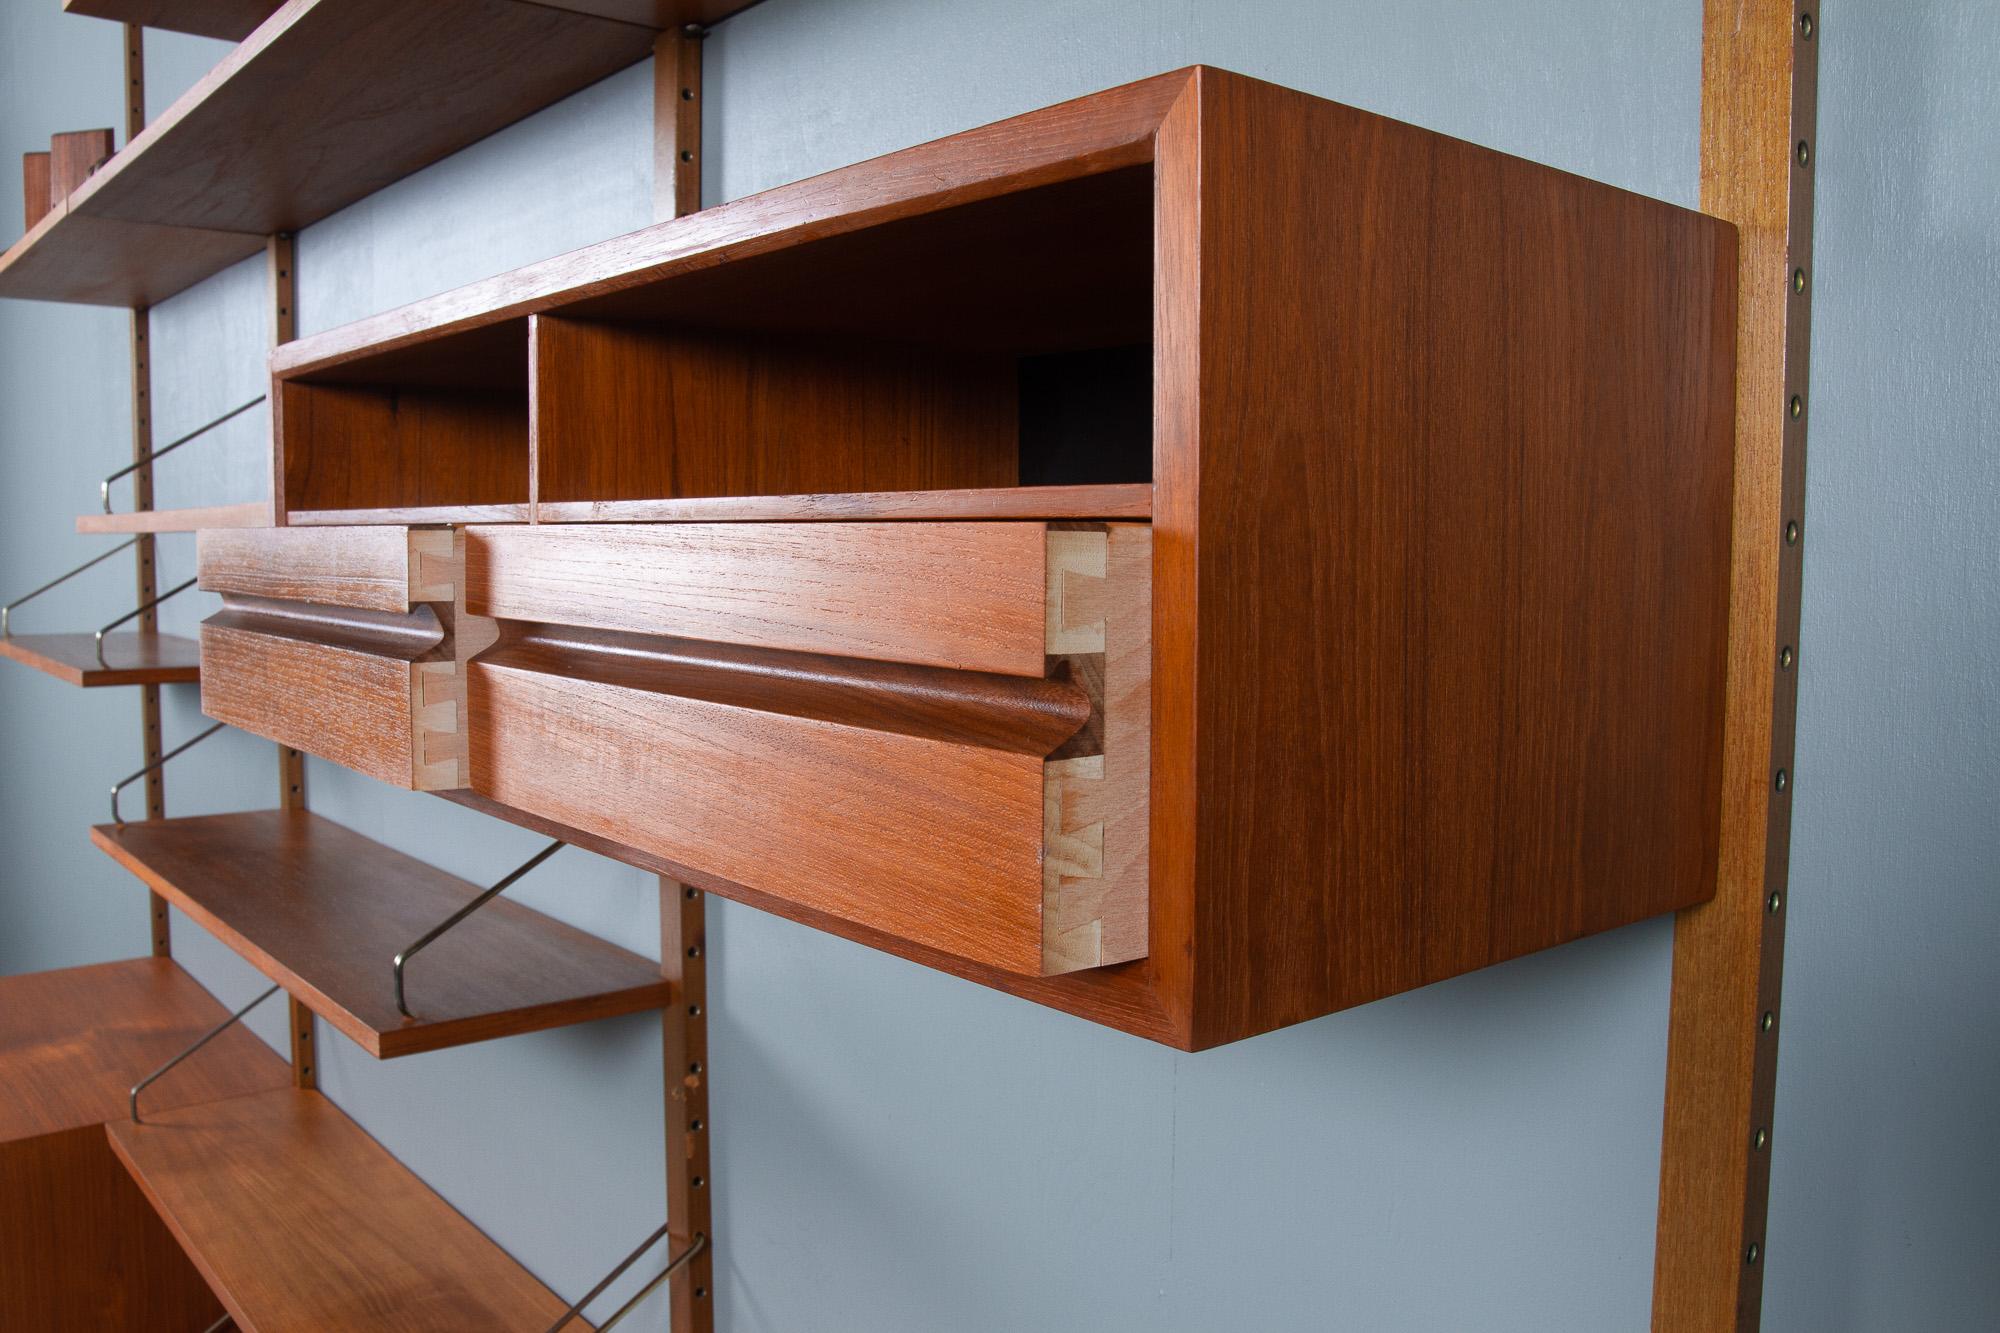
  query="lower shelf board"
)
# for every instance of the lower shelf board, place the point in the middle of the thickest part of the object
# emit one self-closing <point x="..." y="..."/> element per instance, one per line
<point x="74" y="1041"/>
<point x="323" y="911"/>
<point x="302" y="1223"/>
<point x="129" y="658"/>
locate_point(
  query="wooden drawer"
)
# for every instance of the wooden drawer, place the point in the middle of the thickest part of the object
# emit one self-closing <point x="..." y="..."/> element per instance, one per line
<point x="934" y="730"/>
<point x="341" y="642"/>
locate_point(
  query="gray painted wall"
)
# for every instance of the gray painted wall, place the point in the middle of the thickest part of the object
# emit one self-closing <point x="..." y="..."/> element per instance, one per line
<point x="899" y="1150"/>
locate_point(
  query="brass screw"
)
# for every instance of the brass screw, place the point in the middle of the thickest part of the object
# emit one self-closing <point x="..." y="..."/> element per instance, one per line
<point x="1792" y="533"/>
<point x="1759" y="1139"/>
<point x="1804" y="153"/>
<point x="1774" y="902"/>
<point x="1753" y="1254"/>
<point x="1783" y="780"/>
<point x="1798" y="279"/>
<point x="1798" y="407"/>
<point x="1769" y="1021"/>
<point x="1806" y="26"/>
<point x="1785" y="658"/>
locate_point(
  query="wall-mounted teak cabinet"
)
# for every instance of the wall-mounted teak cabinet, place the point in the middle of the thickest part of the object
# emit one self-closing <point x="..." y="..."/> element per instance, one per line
<point x="1198" y="556"/>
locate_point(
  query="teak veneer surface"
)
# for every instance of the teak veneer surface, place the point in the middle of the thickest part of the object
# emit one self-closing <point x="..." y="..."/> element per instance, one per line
<point x="74" y="1041"/>
<point x="1133" y="500"/>
<point x="130" y="658"/>
<point x="323" y="911"/>
<point x="81" y="1251"/>
<point x="303" y="1224"/>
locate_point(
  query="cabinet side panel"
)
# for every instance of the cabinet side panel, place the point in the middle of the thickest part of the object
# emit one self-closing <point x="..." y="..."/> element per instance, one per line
<point x="1465" y="468"/>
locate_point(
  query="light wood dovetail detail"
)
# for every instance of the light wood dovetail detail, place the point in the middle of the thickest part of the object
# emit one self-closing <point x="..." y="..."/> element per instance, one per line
<point x="1094" y="811"/>
<point x="975" y="782"/>
<point x="347" y="643"/>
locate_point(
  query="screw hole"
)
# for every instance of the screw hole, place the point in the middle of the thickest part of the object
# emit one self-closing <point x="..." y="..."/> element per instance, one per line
<point x="700" y="1292"/>
<point x="694" y="1011"/>
<point x="687" y="94"/>
<point x="694" y="1067"/>
<point x="689" y="894"/>
<point x="698" y="1182"/>
<point x="687" y="155"/>
<point x="694" y="951"/>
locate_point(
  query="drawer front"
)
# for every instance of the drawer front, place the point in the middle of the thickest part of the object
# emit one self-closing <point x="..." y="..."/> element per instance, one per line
<point x="935" y="730"/>
<point x="340" y="642"/>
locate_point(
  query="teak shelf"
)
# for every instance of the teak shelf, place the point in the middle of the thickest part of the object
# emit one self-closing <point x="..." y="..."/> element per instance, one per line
<point x="79" y="1246"/>
<point x="322" y="911"/>
<point x="130" y="657"/>
<point x="1438" y="474"/>
<point x="324" y="103"/>
<point x="301" y="1222"/>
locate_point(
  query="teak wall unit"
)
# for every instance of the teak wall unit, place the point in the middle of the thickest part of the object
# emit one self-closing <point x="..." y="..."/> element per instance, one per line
<point x="1198" y="557"/>
<point x="1436" y="448"/>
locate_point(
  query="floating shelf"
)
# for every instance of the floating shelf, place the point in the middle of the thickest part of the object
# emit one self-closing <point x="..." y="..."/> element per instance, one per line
<point x="327" y="102"/>
<point x="322" y="911"/>
<point x="252" y="514"/>
<point x="129" y="658"/>
<point x="300" y="1221"/>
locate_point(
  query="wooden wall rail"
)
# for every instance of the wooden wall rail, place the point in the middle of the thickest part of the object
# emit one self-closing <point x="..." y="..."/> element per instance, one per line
<point x="1759" y="99"/>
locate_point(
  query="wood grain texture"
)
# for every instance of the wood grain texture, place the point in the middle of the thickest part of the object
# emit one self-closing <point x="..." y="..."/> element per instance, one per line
<point x="1759" y="96"/>
<point x="343" y="688"/>
<point x="684" y="1065"/>
<point x="323" y="911"/>
<point x="371" y="569"/>
<point x="303" y="1224"/>
<point x="227" y="20"/>
<point x="345" y="643"/>
<point x="252" y="514"/>
<point x="1134" y="500"/>
<point x="35" y="171"/>
<point x="129" y="658"/>
<point x="74" y="1041"/>
<point x="360" y="448"/>
<point x="935" y="838"/>
<point x="637" y="413"/>
<point x="407" y="514"/>
<point x="81" y="1251"/>
<point x="73" y="156"/>
<point x="656" y="13"/>
<point x="961" y="595"/>
<point x="1457" y="675"/>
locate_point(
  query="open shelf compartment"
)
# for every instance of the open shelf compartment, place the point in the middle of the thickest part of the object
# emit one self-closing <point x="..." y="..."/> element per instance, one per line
<point x="323" y="911"/>
<point x="986" y="358"/>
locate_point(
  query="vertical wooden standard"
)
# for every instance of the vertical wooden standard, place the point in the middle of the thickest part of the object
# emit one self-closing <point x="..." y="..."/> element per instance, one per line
<point x="280" y="256"/>
<point x="683" y="943"/>
<point x="147" y="583"/>
<point x="1759" y="93"/>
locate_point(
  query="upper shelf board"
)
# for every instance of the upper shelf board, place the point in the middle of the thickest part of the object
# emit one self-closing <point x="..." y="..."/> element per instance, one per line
<point x="323" y="911"/>
<point x="325" y="103"/>
<point x="129" y="658"/>
<point x="230" y="20"/>
<point x="300" y="1221"/>
<point x="74" y="1041"/>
